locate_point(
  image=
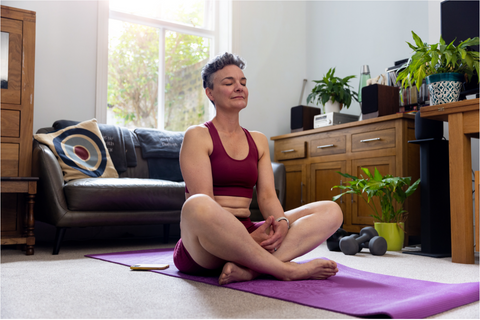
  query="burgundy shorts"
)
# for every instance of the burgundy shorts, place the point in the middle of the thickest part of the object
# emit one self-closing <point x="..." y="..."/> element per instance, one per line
<point x="184" y="261"/>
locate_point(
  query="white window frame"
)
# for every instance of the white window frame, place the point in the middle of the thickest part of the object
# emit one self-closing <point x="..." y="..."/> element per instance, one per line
<point x="221" y="36"/>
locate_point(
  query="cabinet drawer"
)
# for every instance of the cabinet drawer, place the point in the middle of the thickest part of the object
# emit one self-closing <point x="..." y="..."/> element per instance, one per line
<point x="10" y="123"/>
<point x="327" y="146"/>
<point x="290" y="149"/>
<point x="9" y="160"/>
<point x="380" y="139"/>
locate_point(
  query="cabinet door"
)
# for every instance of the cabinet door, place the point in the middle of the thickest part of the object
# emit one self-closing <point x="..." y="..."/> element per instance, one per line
<point x="361" y="211"/>
<point x="12" y="39"/>
<point x="323" y="176"/>
<point x="295" y="188"/>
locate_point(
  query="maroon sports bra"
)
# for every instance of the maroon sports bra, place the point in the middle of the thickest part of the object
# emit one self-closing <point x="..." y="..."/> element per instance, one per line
<point x="232" y="177"/>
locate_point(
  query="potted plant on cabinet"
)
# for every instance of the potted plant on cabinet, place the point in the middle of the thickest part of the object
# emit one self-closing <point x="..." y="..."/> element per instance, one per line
<point x="443" y="66"/>
<point x="332" y="92"/>
<point x="389" y="190"/>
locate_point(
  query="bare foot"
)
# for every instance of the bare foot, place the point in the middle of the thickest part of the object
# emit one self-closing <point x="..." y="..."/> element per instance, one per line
<point x="318" y="269"/>
<point x="234" y="273"/>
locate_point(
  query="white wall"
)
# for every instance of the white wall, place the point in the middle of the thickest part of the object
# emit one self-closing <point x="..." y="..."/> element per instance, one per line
<point x="350" y="34"/>
<point x="65" y="59"/>
<point x="285" y="42"/>
<point x="271" y="37"/>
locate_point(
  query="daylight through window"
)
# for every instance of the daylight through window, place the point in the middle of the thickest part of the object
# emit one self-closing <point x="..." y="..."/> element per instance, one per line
<point x="156" y="51"/>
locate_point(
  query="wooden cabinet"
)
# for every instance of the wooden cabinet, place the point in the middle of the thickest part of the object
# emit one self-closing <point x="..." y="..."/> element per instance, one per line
<point x="18" y="50"/>
<point x="323" y="176"/>
<point x="295" y="186"/>
<point x="18" y="64"/>
<point x="312" y="159"/>
<point x="360" y="209"/>
<point x="295" y="179"/>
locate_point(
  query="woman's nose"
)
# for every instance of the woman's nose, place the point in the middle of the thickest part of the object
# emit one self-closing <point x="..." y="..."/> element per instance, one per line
<point x="238" y="87"/>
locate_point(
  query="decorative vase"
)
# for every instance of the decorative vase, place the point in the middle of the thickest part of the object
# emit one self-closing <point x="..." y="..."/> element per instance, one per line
<point x="444" y="87"/>
<point x="333" y="106"/>
<point x="392" y="233"/>
<point x="364" y="76"/>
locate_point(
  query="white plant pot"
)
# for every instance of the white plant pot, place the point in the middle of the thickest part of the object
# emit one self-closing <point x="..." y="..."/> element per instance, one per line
<point x="444" y="87"/>
<point x="332" y="106"/>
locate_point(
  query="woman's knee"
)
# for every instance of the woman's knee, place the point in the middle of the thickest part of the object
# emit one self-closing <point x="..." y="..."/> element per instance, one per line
<point x="198" y="206"/>
<point x="335" y="213"/>
<point x="331" y="211"/>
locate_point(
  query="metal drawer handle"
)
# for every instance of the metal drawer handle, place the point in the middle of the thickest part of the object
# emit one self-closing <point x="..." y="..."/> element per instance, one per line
<point x="301" y="193"/>
<point x="325" y="146"/>
<point x="341" y="198"/>
<point x="290" y="150"/>
<point x="368" y="140"/>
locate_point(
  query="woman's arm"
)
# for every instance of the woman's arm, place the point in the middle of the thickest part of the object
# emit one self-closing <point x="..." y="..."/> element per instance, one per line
<point x="266" y="195"/>
<point x="195" y="161"/>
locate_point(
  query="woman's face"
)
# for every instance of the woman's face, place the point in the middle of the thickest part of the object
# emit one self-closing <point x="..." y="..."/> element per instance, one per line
<point x="229" y="88"/>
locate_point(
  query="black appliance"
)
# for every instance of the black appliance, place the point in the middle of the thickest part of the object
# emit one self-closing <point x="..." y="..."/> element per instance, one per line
<point x="301" y="118"/>
<point x="379" y="100"/>
<point x="459" y="20"/>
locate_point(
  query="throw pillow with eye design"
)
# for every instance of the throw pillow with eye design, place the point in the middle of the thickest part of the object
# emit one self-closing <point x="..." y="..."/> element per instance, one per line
<point x="80" y="151"/>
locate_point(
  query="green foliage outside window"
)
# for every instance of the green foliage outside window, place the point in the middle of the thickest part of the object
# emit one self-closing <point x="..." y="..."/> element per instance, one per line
<point x="185" y="101"/>
<point x="133" y="66"/>
<point x="133" y="76"/>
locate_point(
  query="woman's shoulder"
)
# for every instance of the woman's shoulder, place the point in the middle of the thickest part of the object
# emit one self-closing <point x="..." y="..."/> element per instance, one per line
<point x="261" y="142"/>
<point x="195" y="130"/>
<point x="198" y="135"/>
<point x="258" y="136"/>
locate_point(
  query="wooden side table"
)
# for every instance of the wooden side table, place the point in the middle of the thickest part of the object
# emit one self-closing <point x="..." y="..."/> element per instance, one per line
<point x="463" y="124"/>
<point x="20" y="235"/>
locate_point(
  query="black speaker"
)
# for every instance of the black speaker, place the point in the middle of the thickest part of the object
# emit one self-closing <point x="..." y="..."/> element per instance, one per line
<point x="427" y="128"/>
<point x="379" y="100"/>
<point x="301" y="118"/>
<point x="459" y="20"/>
<point x="435" y="199"/>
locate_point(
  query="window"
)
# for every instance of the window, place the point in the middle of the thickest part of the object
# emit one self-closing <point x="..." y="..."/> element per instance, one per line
<point x="156" y="50"/>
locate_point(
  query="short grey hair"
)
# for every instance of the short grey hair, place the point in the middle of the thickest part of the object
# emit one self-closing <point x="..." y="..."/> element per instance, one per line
<point x="218" y="63"/>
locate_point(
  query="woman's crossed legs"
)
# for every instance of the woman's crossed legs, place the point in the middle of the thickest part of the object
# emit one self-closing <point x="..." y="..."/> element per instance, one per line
<point x="215" y="238"/>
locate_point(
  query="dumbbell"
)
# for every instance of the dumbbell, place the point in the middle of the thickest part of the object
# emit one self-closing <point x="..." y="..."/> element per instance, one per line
<point x="355" y="236"/>
<point x="368" y="238"/>
<point x="377" y="246"/>
<point x="334" y="240"/>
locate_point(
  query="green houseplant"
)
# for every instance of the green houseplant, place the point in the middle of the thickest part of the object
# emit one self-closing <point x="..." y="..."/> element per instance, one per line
<point x="442" y="65"/>
<point x="391" y="194"/>
<point x="332" y="90"/>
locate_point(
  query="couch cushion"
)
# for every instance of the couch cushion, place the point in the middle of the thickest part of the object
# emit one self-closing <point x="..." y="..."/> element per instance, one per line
<point x="81" y="151"/>
<point x="124" y="194"/>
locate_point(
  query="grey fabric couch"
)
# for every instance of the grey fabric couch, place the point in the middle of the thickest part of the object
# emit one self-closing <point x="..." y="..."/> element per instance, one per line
<point x="131" y="199"/>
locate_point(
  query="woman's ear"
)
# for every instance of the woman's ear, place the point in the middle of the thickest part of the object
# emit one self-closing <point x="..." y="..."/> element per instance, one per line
<point x="209" y="94"/>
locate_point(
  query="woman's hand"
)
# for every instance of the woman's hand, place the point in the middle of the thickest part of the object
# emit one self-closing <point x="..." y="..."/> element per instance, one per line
<point x="280" y="230"/>
<point x="264" y="232"/>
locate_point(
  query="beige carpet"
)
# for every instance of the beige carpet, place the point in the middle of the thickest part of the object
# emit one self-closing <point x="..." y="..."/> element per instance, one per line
<point x="72" y="286"/>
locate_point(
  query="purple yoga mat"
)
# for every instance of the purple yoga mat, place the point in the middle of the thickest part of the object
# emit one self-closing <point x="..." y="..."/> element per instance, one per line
<point x="353" y="292"/>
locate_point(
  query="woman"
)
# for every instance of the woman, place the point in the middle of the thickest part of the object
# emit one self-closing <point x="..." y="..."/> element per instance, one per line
<point x="221" y="162"/>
